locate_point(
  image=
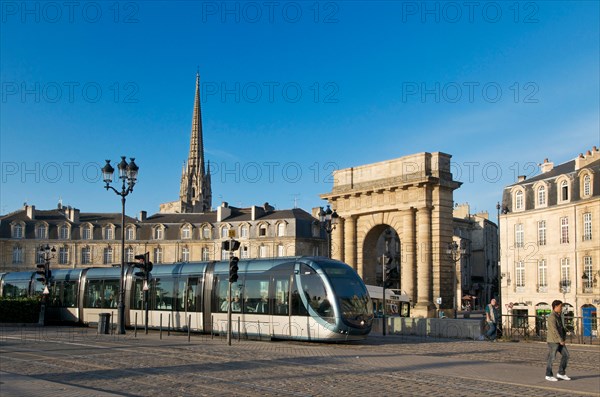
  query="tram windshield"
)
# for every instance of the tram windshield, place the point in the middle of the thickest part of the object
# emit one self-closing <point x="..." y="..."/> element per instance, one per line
<point x="351" y="292"/>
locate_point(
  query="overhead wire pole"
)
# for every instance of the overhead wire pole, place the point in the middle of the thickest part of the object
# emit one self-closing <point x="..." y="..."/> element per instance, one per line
<point x="383" y="328"/>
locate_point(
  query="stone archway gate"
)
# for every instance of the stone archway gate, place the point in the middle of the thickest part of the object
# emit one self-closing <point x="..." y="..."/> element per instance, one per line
<point x="414" y="195"/>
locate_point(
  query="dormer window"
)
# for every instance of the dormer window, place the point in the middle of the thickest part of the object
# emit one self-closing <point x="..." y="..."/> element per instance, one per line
<point x="158" y="233"/>
<point x="519" y="200"/>
<point x="186" y="232"/>
<point x="206" y="233"/>
<point x="587" y="186"/>
<point x="109" y="233"/>
<point x="63" y="232"/>
<point x="281" y="229"/>
<point x="564" y="191"/>
<point x="17" y="230"/>
<point x="130" y="233"/>
<point x="262" y="231"/>
<point x="541" y="196"/>
<point x="86" y="232"/>
<point x="41" y="231"/>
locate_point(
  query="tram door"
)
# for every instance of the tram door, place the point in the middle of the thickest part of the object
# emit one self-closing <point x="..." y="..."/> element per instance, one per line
<point x="187" y="313"/>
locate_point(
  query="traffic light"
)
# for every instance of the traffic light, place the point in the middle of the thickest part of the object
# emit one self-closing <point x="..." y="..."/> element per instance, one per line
<point x="42" y="273"/>
<point x="230" y="245"/>
<point x="144" y="264"/>
<point x="233" y="269"/>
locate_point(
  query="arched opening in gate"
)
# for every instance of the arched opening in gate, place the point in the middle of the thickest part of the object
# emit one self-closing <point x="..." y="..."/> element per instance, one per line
<point x="381" y="257"/>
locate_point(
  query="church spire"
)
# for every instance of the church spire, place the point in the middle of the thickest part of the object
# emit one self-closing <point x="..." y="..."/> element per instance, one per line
<point x="195" y="193"/>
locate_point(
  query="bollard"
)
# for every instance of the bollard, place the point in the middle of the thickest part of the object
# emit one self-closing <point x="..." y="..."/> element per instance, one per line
<point x="160" y="326"/>
<point x="239" y="330"/>
<point x="169" y="326"/>
<point x="212" y="327"/>
<point x="135" y="327"/>
<point x="189" y="326"/>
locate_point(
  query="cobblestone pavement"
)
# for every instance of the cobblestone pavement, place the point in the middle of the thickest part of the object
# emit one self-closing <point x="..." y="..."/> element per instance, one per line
<point x="75" y="361"/>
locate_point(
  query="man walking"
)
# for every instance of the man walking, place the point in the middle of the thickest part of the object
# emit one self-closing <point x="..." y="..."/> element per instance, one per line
<point x="492" y="315"/>
<point x="556" y="343"/>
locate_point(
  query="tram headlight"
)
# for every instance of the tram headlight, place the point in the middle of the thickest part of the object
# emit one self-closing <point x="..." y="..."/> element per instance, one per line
<point x="362" y="322"/>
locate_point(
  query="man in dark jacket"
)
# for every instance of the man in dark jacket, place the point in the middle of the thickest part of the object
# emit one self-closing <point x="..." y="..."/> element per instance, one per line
<point x="556" y="343"/>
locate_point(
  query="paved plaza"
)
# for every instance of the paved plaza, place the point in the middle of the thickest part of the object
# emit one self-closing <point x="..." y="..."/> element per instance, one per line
<point x="61" y="361"/>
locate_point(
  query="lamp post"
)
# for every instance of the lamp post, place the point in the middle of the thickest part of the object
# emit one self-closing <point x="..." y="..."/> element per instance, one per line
<point x="128" y="175"/>
<point x="46" y="254"/>
<point x="455" y="253"/>
<point x="329" y="220"/>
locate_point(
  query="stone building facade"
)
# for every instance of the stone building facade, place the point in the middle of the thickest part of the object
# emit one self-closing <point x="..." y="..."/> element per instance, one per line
<point x="550" y="239"/>
<point x="408" y="200"/>
<point x="477" y="258"/>
<point x="94" y="239"/>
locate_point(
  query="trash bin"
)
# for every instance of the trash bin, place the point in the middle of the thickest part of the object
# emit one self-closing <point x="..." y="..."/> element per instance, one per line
<point x="104" y="323"/>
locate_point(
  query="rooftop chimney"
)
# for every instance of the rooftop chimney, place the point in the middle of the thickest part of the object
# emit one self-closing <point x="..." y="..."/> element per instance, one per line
<point x="30" y="209"/>
<point x="546" y="166"/>
<point x="521" y="178"/>
<point x="143" y="216"/>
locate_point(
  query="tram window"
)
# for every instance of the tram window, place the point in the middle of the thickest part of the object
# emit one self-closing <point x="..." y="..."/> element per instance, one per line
<point x="137" y="298"/>
<point x="55" y="298"/>
<point x="298" y="307"/>
<point x="220" y="303"/>
<point x="163" y="293"/>
<point x="101" y="293"/>
<point x="191" y="292"/>
<point x="16" y="289"/>
<point x="179" y="295"/>
<point x="282" y="291"/>
<point x="314" y="291"/>
<point x="256" y="294"/>
<point x="93" y="293"/>
<point x="69" y="298"/>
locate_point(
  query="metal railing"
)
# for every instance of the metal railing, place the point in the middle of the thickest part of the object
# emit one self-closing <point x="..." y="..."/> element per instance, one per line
<point x="520" y="327"/>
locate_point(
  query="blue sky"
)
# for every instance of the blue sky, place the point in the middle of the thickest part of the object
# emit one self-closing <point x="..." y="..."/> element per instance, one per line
<point x="291" y="91"/>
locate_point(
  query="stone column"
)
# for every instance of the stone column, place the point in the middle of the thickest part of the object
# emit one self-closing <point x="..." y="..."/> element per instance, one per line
<point x="424" y="306"/>
<point x="337" y="241"/>
<point x="408" y="263"/>
<point x="350" y="242"/>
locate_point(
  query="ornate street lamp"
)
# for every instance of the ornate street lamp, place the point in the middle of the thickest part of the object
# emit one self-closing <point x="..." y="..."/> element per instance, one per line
<point x="46" y="254"/>
<point x="128" y="174"/>
<point x="329" y="220"/>
<point x="455" y="253"/>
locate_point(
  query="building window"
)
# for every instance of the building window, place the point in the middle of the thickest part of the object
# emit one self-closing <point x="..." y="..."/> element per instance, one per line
<point x="41" y="231"/>
<point x="244" y="231"/>
<point x="542" y="233"/>
<point x="129" y="254"/>
<point x="158" y="233"/>
<point x="244" y="252"/>
<point x="281" y="229"/>
<point x="564" y="191"/>
<point x="39" y="258"/>
<point x="587" y="186"/>
<point x="185" y="254"/>
<point x="17" y="255"/>
<point x="262" y="251"/>
<point x="542" y="274"/>
<point x="280" y="250"/>
<point x="564" y="230"/>
<point x="108" y="233"/>
<point x="262" y="231"/>
<point x="565" y="277"/>
<point x="86" y="233"/>
<point x="224" y="232"/>
<point x="63" y="255"/>
<point x="64" y="232"/>
<point x="541" y="196"/>
<point x="108" y="256"/>
<point x="18" y="231"/>
<point x="520" y="273"/>
<point x="587" y="226"/>
<point x="519" y="200"/>
<point x="158" y="255"/>
<point x="519" y="235"/>
<point x="86" y="256"/>
<point x="205" y="254"/>
<point x="588" y="280"/>
<point x="130" y="233"/>
<point x="186" y="232"/>
<point x="206" y="233"/>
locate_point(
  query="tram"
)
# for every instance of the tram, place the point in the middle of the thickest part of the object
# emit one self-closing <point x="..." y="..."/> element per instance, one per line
<point x="300" y="298"/>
